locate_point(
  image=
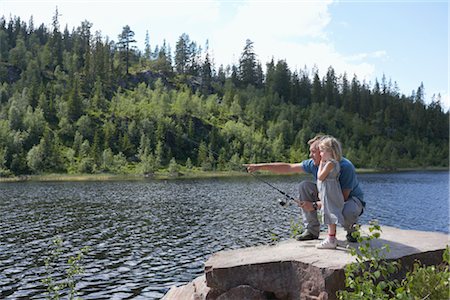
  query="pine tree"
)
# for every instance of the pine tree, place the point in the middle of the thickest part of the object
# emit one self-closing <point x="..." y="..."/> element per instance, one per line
<point x="205" y="85"/>
<point x="248" y="65"/>
<point x="316" y="90"/>
<point x="331" y="97"/>
<point x="125" y="39"/>
<point x="282" y="80"/>
<point x="74" y="103"/>
<point x="148" y="49"/>
<point x="182" y="54"/>
<point x="56" y="41"/>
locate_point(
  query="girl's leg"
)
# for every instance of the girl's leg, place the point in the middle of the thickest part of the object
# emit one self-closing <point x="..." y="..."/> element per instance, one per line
<point x="332" y="230"/>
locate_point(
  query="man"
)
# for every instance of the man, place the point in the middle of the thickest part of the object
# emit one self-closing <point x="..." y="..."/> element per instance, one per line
<point x="309" y="201"/>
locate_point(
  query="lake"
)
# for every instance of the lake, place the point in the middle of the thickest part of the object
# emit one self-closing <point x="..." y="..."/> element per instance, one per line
<point x="146" y="236"/>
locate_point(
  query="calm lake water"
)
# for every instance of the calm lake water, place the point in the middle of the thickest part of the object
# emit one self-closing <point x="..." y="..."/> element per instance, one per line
<point x="146" y="236"/>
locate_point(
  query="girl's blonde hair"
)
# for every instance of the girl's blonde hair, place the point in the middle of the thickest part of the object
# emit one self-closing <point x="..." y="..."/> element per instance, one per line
<point x="329" y="143"/>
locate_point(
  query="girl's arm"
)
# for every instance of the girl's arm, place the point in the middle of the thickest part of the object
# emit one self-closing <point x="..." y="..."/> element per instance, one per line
<point x="324" y="170"/>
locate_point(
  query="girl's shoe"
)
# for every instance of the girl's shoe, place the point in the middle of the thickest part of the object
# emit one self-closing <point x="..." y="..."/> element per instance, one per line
<point x="327" y="244"/>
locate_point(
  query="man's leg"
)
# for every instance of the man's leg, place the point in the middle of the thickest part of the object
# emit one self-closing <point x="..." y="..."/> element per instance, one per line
<point x="352" y="210"/>
<point x="308" y="192"/>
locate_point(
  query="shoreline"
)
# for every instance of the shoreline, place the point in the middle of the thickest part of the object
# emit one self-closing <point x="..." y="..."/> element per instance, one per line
<point x="63" y="177"/>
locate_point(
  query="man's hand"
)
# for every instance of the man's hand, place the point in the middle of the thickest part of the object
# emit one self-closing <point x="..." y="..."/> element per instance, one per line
<point x="308" y="206"/>
<point x="250" y="168"/>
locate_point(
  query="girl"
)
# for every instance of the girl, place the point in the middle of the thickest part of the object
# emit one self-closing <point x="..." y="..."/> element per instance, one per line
<point x="330" y="192"/>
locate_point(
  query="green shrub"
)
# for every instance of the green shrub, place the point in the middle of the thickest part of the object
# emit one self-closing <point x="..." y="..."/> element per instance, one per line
<point x="173" y="168"/>
<point x="368" y="278"/>
<point x="426" y="282"/>
<point x="55" y="265"/>
<point x="296" y="228"/>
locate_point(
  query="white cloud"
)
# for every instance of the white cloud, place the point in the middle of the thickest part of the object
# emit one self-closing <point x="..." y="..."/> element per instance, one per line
<point x="270" y="25"/>
<point x="323" y="55"/>
<point x="362" y="56"/>
<point x="295" y="31"/>
<point x="282" y="19"/>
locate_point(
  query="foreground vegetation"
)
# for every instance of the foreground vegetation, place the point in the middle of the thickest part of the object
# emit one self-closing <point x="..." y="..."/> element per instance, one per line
<point x="75" y="102"/>
<point x="71" y="270"/>
<point x="370" y="277"/>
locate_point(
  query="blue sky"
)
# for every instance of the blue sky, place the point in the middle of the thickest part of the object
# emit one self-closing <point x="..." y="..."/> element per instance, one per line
<point x="407" y="41"/>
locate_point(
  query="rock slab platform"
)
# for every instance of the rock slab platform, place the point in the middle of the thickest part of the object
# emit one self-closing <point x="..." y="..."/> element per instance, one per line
<point x="297" y="270"/>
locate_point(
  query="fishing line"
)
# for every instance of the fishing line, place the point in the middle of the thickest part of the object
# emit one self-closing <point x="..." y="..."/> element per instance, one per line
<point x="289" y="197"/>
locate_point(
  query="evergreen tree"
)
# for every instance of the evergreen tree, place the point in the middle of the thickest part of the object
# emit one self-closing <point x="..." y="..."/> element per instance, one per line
<point x="125" y="39"/>
<point x="248" y="65"/>
<point x="163" y="62"/>
<point x="330" y="86"/>
<point x="56" y="41"/>
<point x="206" y="73"/>
<point x="194" y="67"/>
<point x="148" y="49"/>
<point x="316" y="90"/>
<point x="74" y="102"/>
<point x="4" y="46"/>
<point x="282" y="80"/>
<point x="182" y="54"/>
<point x="18" y="55"/>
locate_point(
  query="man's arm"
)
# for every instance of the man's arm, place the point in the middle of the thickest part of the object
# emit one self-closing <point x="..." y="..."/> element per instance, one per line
<point x="346" y="179"/>
<point x="277" y="167"/>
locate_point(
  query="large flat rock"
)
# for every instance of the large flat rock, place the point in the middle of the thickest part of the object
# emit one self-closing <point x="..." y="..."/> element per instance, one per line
<point x="297" y="270"/>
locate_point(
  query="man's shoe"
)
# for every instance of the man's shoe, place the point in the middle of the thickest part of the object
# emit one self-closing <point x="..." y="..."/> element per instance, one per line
<point x="306" y="236"/>
<point x="350" y="238"/>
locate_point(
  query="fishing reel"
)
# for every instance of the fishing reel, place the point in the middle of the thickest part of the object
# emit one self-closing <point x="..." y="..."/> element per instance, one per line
<point x="285" y="202"/>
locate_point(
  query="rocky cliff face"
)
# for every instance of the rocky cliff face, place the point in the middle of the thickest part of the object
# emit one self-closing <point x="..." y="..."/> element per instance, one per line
<point x="297" y="270"/>
<point x="9" y="73"/>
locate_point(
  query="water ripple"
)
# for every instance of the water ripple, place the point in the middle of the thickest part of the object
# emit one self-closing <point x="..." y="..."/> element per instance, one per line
<point x="146" y="236"/>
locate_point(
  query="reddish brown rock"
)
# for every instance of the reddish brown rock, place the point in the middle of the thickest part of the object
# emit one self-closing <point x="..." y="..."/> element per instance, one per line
<point x="297" y="270"/>
<point x="195" y="290"/>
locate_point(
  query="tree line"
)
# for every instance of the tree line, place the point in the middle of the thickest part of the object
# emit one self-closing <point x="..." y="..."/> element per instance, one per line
<point x="76" y="102"/>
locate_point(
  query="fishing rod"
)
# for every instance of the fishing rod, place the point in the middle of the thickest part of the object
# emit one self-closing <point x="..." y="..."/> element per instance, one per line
<point x="289" y="197"/>
<point x="282" y="202"/>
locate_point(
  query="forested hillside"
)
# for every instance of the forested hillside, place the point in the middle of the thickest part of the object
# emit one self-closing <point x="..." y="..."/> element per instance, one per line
<point x="72" y="101"/>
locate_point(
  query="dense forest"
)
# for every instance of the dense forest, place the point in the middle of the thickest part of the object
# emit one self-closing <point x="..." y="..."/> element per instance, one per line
<point x="73" y="101"/>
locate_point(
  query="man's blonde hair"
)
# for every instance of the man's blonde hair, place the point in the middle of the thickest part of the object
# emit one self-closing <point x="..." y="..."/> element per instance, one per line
<point x="333" y="145"/>
<point x="316" y="138"/>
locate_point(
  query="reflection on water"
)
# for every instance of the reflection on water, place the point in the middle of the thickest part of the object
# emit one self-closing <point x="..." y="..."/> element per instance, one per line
<point x="149" y="235"/>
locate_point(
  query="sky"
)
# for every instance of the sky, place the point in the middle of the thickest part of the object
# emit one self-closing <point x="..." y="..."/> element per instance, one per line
<point x="406" y="41"/>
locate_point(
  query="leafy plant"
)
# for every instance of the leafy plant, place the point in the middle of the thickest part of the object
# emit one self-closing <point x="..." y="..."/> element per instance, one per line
<point x="70" y="271"/>
<point x="274" y="238"/>
<point x="296" y="228"/>
<point x="368" y="278"/>
<point x="427" y="282"/>
<point x="173" y="168"/>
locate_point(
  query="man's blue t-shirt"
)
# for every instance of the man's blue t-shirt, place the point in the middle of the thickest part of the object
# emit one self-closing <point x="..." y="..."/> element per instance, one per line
<point x="347" y="178"/>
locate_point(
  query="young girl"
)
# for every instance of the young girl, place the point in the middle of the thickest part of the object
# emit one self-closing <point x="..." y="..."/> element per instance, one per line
<point x="330" y="192"/>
